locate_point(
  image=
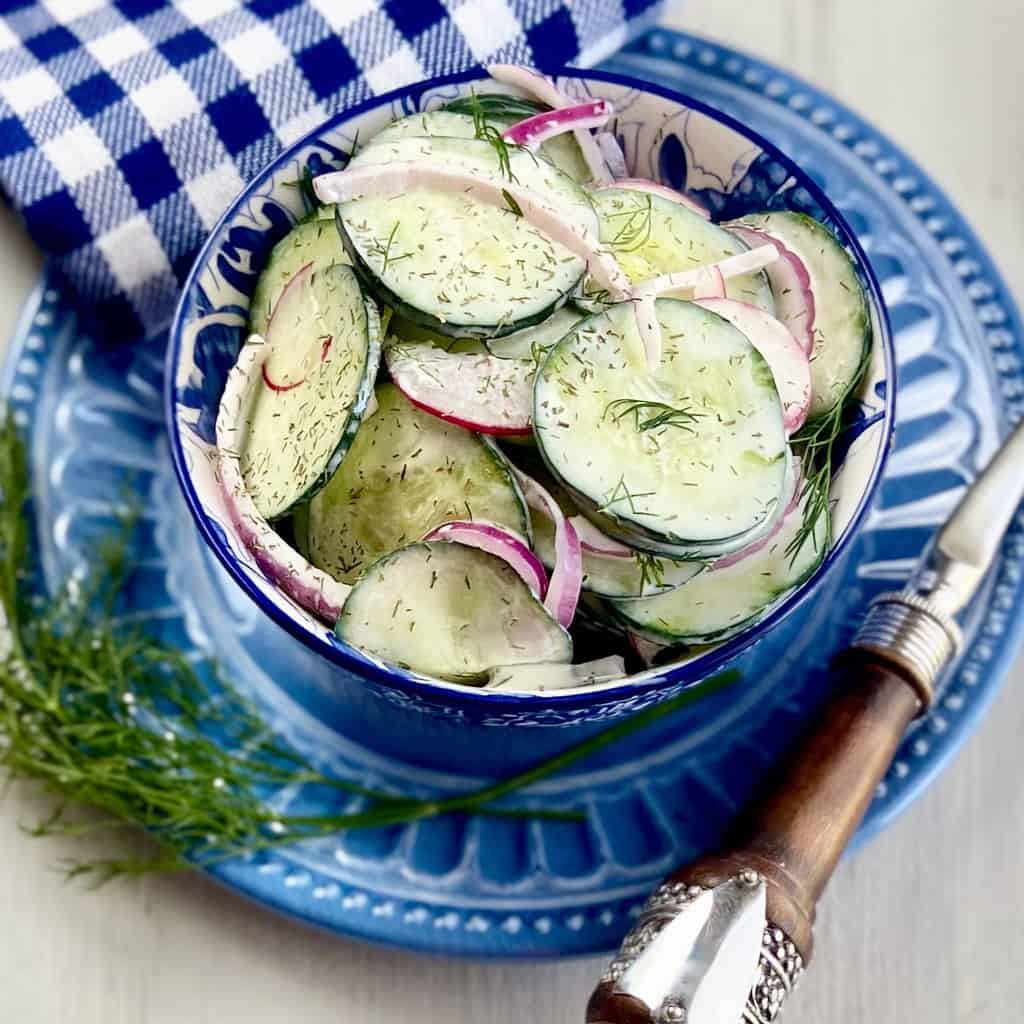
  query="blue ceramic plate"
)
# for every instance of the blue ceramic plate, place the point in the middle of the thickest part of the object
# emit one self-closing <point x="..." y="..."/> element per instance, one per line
<point x="511" y="888"/>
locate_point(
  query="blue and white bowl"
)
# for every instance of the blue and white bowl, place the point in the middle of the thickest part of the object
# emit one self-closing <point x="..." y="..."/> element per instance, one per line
<point x="667" y="137"/>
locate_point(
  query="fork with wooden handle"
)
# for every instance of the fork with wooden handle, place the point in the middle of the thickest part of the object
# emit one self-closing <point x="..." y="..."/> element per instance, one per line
<point x="724" y="939"/>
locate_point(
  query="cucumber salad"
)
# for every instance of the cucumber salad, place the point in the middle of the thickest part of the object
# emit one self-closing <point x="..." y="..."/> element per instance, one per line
<point x="508" y="416"/>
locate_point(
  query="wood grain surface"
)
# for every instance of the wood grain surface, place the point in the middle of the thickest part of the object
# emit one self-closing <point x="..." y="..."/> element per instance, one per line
<point x="924" y="925"/>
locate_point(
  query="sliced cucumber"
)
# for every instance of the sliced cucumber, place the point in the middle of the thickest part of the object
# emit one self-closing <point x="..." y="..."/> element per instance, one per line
<point x="428" y="124"/>
<point x="688" y="460"/>
<point x="842" y="323"/>
<point x="650" y="235"/>
<point x="450" y="611"/>
<point x="531" y="342"/>
<point x="406" y="331"/>
<point x="406" y="473"/>
<point x="311" y="241"/>
<point x="639" y="575"/>
<point x="496" y="106"/>
<point x="723" y="602"/>
<point x="323" y="351"/>
<point x="457" y="266"/>
<point x="501" y="111"/>
<point x="546" y="677"/>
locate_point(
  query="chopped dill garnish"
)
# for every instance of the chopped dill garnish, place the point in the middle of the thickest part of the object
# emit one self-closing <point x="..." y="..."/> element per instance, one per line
<point x="538" y="353"/>
<point x="652" y="569"/>
<point x="512" y="204"/>
<point x="621" y="492"/>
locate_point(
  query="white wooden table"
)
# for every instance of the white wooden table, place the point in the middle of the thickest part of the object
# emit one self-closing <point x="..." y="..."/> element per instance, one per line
<point x="925" y="925"/>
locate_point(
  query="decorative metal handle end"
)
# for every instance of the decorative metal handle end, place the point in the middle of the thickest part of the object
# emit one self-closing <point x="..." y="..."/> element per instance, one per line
<point x="683" y="961"/>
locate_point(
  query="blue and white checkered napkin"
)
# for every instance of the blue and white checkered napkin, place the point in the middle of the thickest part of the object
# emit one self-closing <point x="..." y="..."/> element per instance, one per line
<point x="126" y="127"/>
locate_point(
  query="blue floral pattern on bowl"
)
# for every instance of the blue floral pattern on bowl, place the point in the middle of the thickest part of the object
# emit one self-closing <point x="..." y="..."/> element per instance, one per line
<point x="666" y="137"/>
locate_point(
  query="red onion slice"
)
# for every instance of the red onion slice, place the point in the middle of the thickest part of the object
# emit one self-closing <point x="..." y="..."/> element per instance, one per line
<point x="657" y="189"/>
<point x="593" y="541"/>
<point x="567" y="576"/>
<point x="781" y="351"/>
<point x="543" y="89"/>
<point x="286" y="568"/>
<point x="790" y="283"/>
<point x="471" y="389"/>
<point x="501" y="543"/>
<point x="533" y="132"/>
<point x="741" y="263"/>
<point x="391" y="179"/>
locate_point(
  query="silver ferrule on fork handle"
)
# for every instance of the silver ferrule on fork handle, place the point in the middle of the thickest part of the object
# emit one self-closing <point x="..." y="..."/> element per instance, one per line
<point x="916" y="628"/>
<point x="911" y="628"/>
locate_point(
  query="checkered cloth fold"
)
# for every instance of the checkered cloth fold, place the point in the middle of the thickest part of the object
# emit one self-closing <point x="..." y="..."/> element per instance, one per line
<point x="127" y="127"/>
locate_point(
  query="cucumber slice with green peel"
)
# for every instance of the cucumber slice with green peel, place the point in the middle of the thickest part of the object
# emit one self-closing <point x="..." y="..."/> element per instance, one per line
<point x="529" y="343"/>
<point x="449" y="611"/>
<point x="405" y="331"/>
<point x="406" y="473"/>
<point x="323" y="350"/>
<point x="532" y="342"/>
<point x="562" y="151"/>
<point x="544" y="677"/>
<point x="456" y="265"/>
<point x="720" y="603"/>
<point x="650" y="236"/>
<point x="496" y="106"/>
<point x="300" y="528"/>
<point x="638" y="574"/>
<point x="428" y="124"/>
<point x="842" y="322"/>
<point x="687" y="460"/>
<point x="311" y="241"/>
<point x="504" y="111"/>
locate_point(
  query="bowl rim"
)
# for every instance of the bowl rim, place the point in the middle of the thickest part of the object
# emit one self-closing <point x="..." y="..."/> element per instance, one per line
<point x="441" y="691"/>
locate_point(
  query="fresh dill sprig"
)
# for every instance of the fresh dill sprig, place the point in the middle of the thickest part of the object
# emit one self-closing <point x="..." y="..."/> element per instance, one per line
<point x="385" y="250"/>
<point x="486" y="132"/>
<point x="650" y="415"/>
<point x="304" y="183"/>
<point x="637" y="223"/>
<point x="104" y="716"/>
<point x="815" y="443"/>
